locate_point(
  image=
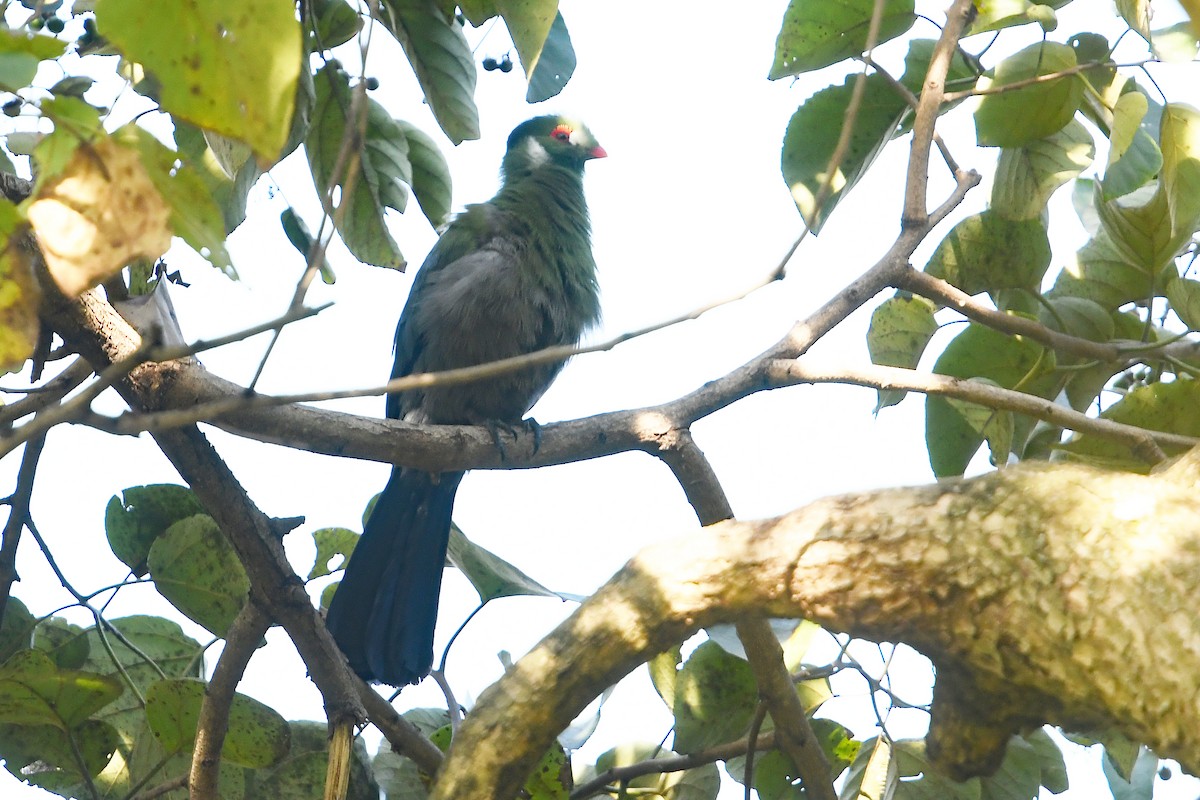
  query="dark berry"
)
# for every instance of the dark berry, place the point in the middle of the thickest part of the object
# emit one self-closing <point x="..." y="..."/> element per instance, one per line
<point x="55" y="25"/>
<point x="489" y="64"/>
<point x="12" y="108"/>
<point x="372" y="84"/>
<point x="506" y="64"/>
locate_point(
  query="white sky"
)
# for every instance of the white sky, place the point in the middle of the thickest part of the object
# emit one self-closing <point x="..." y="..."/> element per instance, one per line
<point x="688" y="208"/>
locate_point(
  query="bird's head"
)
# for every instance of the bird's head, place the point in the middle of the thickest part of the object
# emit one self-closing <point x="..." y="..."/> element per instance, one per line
<point x="550" y="139"/>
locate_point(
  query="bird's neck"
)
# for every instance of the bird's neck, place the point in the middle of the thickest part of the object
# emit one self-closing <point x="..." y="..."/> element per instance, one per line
<point x="550" y="192"/>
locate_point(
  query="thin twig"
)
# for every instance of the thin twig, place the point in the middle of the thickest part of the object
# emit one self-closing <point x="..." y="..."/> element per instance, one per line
<point x="138" y="422"/>
<point x="1146" y="444"/>
<point x="618" y="775"/>
<point x="950" y="97"/>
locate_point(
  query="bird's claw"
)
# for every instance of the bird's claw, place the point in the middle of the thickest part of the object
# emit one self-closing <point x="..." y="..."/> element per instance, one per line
<point x="529" y="424"/>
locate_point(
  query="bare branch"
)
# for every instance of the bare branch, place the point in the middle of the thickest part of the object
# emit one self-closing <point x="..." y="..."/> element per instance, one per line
<point x="18" y="517"/>
<point x="925" y="117"/>
<point x="658" y="766"/>
<point x="793" y="732"/>
<point x="1145" y="443"/>
<point x="242" y="639"/>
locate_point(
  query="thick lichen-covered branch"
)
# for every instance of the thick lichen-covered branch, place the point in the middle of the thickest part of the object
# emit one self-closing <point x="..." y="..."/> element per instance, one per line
<point x="1035" y="591"/>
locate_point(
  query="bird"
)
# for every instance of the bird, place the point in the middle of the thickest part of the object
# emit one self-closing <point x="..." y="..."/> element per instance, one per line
<point x="507" y="277"/>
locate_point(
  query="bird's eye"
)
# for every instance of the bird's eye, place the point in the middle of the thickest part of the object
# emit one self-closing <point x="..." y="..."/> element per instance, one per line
<point x="562" y="133"/>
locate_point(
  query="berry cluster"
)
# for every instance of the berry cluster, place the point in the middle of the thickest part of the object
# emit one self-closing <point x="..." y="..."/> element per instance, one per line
<point x="504" y="64"/>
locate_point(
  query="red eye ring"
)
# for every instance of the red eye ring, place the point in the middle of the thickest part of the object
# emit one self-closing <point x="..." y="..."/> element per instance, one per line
<point x="562" y="133"/>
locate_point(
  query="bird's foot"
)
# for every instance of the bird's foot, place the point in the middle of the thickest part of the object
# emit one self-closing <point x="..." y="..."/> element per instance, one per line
<point x="529" y="424"/>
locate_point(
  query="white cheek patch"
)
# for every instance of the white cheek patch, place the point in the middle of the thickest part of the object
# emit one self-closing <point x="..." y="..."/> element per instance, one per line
<point x="537" y="153"/>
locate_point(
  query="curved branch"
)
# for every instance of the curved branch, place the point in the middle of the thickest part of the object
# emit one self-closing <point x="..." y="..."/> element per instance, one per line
<point x="242" y="639"/>
<point x="1031" y="590"/>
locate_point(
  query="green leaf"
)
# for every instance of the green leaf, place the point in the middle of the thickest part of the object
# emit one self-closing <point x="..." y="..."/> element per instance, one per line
<point x="33" y="691"/>
<point x="986" y="252"/>
<point x="331" y="542"/>
<point x="332" y="22"/>
<point x="774" y="774"/>
<point x="1133" y="157"/>
<point x="1168" y="407"/>
<point x="994" y="426"/>
<point x="301" y="774"/>
<point x="980" y="352"/>
<point x="478" y="12"/>
<point x="1184" y="296"/>
<point x="812" y="136"/>
<point x="715" y="698"/>
<point x="900" y="329"/>
<point x="873" y="771"/>
<point x="528" y="23"/>
<point x="551" y="778"/>
<point x="1137" y="14"/>
<point x="997" y="14"/>
<point x="1180" y="138"/>
<point x="556" y="65"/>
<point x="140" y="515"/>
<point x="491" y="575"/>
<point x="72" y="86"/>
<point x="1102" y="274"/>
<point x="1050" y="760"/>
<point x="381" y="169"/>
<point x="1120" y="752"/>
<point x="664" y="669"/>
<point x="195" y="217"/>
<point x="228" y="67"/>
<point x="1175" y="44"/>
<point x="700" y="783"/>
<point x="1027" y="176"/>
<point x="159" y="640"/>
<point x="1144" y="235"/>
<point x="431" y="183"/>
<point x="1140" y="785"/>
<point x="195" y="568"/>
<point x="302" y="239"/>
<point x="172" y="652"/>
<point x="17" y="628"/>
<point x="1017" y="117"/>
<point x="960" y="76"/>
<point x="19" y="57"/>
<point x="257" y="736"/>
<point x="925" y="783"/>
<point x="815" y="35"/>
<point x="49" y="757"/>
<point x="442" y="61"/>
<point x="63" y="642"/>
<point x="1078" y="316"/>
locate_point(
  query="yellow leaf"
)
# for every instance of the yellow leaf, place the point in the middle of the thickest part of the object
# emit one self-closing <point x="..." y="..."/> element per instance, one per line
<point x="19" y="298"/>
<point x="97" y="215"/>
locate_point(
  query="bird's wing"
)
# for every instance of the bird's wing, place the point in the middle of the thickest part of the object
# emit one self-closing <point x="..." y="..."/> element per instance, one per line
<point x="455" y="255"/>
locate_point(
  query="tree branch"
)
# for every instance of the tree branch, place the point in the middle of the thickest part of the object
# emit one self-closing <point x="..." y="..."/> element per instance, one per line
<point x="924" y="118"/>
<point x="242" y="639"/>
<point x="793" y="732"/>
<point x="1145" y="443"/>
<point x="18" y="517"/>
<point x="1030" y="589"/>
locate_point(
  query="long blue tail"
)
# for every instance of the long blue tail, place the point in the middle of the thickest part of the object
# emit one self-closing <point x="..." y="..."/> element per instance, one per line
<point x="383" y="613"/>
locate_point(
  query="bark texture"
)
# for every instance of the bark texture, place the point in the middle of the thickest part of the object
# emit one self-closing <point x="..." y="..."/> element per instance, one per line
<point x="1038" y="592"/>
